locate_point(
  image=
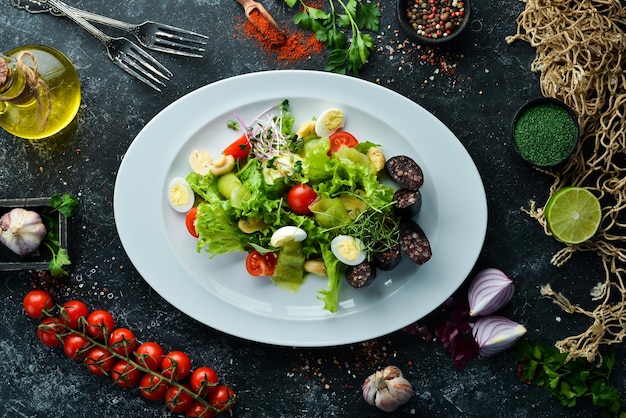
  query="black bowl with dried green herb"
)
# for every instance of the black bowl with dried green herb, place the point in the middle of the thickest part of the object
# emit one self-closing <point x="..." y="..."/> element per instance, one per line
<point x="433" y="22"/>
<point x="545" y="132"/>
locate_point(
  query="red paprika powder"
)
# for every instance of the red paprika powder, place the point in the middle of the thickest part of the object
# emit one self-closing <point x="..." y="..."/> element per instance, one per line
<point x="287" y="46"/>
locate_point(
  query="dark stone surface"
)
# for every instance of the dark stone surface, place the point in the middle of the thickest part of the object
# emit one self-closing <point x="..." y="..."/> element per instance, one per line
<point x="474" y="88"/>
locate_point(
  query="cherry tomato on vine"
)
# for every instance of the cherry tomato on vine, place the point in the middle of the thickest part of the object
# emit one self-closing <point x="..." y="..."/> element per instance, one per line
<point x="76" y="346"/>
<point x="176" y="365"/>
<point x="72" y="312"/>
<point x="49" y="331"/>
<point x="341" y="138"/>
<point x="238" y="149"/>
<point x="122" y="341"/>
<point x="152" y="387"/>
<point x="259" y="264"/>
<point x="125" y="375"/>
<point x="150" y="355"/>
<point x="203" y="380"/>
<point x="36" y="302"/>
<point x="178" y="400"/>
<point x="300" y="197"/>
<point x="99" y="361"/>
<point x="190" y="220"/>
<point x="199" y="410"/>
<point x="222" y="398"/>
<point x="100" y="323"/>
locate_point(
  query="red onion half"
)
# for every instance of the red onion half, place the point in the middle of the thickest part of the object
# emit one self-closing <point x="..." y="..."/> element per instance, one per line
<point x="489" y="291"/>
<point x="494" y="334"/>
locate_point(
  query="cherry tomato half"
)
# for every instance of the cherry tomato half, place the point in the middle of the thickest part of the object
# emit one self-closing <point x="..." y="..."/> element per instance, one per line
<point x="222" y="398"/>
<point x="152" y="387"/>
<point x="150" y="355"/>
<point x="190" y="221"/>
<point x="76" y="346"/>
<point x="341" y="138"/>
<point x="125" y="375"/>
<point x="49" y="331"/>
<point x="203" y="380"/>
<point x="36" y="302"/>
<point x="122" y="341"/>
<point x="72" y="312"/>
<point x="176" y="365"/>
<point x="239" y="149"/>
<point x="100" y="323"/>
<point x="259" y="264"/>
<point x="300" y="197"/>
<point x="99" y="361"/>
<point x="178" y="400"/>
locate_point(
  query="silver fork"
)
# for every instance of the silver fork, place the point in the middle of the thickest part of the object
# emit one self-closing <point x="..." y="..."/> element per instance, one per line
<point x="123" y="52"/>
<point x="156" y="36"/>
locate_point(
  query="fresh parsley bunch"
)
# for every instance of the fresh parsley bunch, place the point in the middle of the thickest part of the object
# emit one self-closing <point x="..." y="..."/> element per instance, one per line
<point x="545" y="366"/>
<point x="342" y="30"/>
<point x="64" y="204"/>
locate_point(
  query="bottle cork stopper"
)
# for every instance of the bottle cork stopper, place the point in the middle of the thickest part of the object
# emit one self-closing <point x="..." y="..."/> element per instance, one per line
<point x="4" y="72"/>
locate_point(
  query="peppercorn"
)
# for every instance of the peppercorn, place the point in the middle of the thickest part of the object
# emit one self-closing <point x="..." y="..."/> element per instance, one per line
<point x="435" y="18"/>
<point x="545" y="134"/>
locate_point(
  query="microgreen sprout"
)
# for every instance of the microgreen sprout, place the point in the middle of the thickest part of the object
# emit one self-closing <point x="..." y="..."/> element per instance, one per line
<point x="234" y="125"/>
<point x="270" y="138"/>
<point x="378" y="230"/>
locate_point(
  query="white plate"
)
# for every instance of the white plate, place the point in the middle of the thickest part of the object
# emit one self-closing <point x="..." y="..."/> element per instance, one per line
<point x="218" y="292"/>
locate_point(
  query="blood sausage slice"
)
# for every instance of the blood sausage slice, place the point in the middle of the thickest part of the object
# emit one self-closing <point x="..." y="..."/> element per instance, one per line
<point x="414" y="242"/>
<point x="405" y="171"/>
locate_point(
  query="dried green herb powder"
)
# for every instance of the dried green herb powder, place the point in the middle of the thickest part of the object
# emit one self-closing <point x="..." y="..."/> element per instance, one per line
<point x="545" y="134"/>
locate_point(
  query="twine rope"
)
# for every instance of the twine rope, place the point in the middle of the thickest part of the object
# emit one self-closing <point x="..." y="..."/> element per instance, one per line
<point x="37" y="87"/>
<point x="581" y="55"/>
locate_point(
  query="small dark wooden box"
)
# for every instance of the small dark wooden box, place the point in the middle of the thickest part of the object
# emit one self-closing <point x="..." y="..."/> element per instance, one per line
<point x="9" y="261"/>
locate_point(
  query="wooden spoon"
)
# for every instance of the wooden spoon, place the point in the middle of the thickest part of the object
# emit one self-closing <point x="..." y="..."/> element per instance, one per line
<point x="250" y="5"/>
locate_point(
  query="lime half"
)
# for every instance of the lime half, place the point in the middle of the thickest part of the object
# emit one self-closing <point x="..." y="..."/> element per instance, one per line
<point x="573" y="214"/>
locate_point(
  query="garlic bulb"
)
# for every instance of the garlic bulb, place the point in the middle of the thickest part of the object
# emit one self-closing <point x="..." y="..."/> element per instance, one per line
<point x="490" y="290"/>
<point x="494" y="334"/>
<point x="387" y="389"/>
<point x="22" y="231"/>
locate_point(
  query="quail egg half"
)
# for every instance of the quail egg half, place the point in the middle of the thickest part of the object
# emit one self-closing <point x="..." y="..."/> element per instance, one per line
<point x="287" y="233"/>
<point x="328" y="122"/>
<point x="180" y="195"/>
<point x="348" y="250"/>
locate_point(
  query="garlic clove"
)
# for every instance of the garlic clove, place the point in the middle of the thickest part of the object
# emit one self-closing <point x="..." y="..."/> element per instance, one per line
<point x="495" y="334"/>
<point x="489" y="291"/>
<point x="22" y="231"/>
<point x="387" y="389"/>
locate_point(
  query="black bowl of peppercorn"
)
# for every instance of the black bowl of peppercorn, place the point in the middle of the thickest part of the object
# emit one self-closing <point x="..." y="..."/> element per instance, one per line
<point x="545" y="132"/>
<point x="433" y="22"/>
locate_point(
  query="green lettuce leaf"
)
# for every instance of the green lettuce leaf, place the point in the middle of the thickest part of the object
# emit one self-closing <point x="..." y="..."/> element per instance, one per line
<point x="335" y="270"/>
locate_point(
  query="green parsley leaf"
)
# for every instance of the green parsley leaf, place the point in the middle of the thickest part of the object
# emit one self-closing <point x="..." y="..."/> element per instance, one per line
<point x="59" y="260"/>
<point x="545" y="366"/>
<point x="64" y="204"/>
<point x="342" y="31"/>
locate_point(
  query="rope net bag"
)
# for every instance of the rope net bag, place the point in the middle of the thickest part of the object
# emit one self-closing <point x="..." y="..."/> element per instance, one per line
<point x="580" y="52"/>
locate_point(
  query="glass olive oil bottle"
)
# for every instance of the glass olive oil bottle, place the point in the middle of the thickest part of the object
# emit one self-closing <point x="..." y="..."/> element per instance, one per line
<point x="39" y="91"/>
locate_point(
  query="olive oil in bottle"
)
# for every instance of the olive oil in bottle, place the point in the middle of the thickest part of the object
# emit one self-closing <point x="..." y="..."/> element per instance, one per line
<point x="39" y="91"/>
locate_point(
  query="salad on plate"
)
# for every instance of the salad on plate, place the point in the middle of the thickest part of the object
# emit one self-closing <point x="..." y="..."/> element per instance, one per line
<point x="301" y="200"/>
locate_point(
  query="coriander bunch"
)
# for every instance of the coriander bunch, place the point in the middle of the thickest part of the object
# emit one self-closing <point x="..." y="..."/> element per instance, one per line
<point x="342" y="30"/>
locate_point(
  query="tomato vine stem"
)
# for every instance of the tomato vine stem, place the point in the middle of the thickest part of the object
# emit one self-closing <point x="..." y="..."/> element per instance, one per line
<point x="62" y="331"/>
